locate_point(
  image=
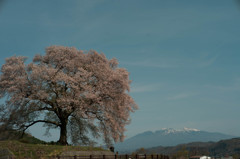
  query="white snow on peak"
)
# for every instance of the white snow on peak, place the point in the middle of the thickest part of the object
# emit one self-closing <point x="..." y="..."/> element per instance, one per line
<point x="171" y="130"/>
<point x="190" y="129"/>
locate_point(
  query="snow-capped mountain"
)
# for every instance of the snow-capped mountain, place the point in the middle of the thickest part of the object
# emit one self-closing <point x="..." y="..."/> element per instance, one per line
<point x="168" y="137"/>
<point x="167" y="131"/>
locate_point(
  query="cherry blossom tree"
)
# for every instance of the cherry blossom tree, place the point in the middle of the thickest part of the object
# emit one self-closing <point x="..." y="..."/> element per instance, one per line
<point x="79" y="92"/>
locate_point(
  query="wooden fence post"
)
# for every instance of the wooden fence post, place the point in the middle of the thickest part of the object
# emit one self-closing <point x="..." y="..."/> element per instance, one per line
<point x="75" y="157"/>
<point x="90" y="156"/>
<point x="145" y="156"/>
<point x="126" y="156"/>
<point x="103" y="156"/>
<point x="152" y="156"/>
<point x="115" y="156"/>
<point x="136" y="156"/>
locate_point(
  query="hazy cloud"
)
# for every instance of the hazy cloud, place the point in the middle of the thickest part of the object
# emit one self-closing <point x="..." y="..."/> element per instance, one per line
<point x="234" y="86"/>
<point x="145" y="88"/>
<point x="174" y="62"/>
<point x="150" y="63"/>
<point x="207" y="61"/>
<point x="181" y="96"/>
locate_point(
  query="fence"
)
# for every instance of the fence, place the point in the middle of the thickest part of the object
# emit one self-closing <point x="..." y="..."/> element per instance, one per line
<point x="137" y="156"/>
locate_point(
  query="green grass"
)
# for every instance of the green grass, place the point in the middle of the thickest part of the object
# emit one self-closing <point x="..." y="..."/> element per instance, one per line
<point x="37" y="151"/>
<point x="30" y="147"/>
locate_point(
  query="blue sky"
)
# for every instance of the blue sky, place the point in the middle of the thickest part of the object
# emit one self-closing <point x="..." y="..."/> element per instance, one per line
<point x="183" y="56"/>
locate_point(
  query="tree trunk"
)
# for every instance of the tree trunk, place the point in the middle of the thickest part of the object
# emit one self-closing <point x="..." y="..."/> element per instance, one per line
<point x="63" y="132"/>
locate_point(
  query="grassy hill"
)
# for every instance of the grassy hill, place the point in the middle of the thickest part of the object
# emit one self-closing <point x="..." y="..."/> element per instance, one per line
<point x="31" y="147"/>
<point x="36" y="151"/>
<point x="16" y="135"/>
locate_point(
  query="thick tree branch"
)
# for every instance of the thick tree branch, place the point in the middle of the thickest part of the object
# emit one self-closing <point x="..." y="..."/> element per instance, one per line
<point x="39" y="121"/>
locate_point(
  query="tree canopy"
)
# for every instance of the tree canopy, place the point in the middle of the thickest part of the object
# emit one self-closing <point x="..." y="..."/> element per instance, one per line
<point x="76" y="91"/>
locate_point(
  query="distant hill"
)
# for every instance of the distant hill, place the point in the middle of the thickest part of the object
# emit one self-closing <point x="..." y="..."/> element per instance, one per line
<point x="221" y="148"/>
<point x="168" y="137"/>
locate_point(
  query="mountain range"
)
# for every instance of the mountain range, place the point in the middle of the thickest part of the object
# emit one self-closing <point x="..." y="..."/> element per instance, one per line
<point x="229" y="147"/>
<point x="168" y="137"/>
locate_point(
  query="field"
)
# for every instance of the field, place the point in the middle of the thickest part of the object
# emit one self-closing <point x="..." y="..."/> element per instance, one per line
<point x="36" y="151"/>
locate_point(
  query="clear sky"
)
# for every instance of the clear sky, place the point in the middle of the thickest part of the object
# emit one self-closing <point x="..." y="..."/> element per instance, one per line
<point x="183" y="55"/>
